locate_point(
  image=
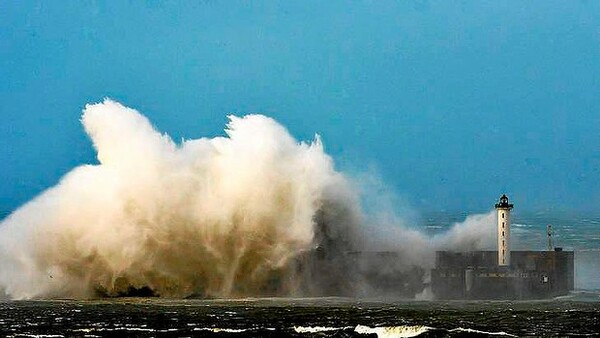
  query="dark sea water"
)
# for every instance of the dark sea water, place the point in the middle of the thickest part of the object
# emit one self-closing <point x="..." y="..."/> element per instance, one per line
<point x="576" y="315"/>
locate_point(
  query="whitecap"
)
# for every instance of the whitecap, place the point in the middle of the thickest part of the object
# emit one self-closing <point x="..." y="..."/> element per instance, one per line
<point x="116" y="328"/>
<point x="500" y="333"/>
<point x="315" y="329"/>
<point x="217" y="329"/>
<point x="393" y="331"/>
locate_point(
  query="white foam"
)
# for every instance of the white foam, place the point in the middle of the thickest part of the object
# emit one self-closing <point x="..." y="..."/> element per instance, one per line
<point x="393" y="331"/>
<point x="500" y="333"/>
<point x="315" y="329"/>
<point x="217" y="329"/>
<point x="117" y="328"/>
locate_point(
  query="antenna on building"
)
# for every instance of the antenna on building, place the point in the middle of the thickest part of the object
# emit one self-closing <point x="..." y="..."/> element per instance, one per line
<point x="549" y="232"/>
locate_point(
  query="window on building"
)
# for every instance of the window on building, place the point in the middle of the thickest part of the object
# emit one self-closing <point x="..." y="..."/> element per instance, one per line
<point x="502" y="243"/>
<point x="502" y="215"/>
<point x="502" y="233"/>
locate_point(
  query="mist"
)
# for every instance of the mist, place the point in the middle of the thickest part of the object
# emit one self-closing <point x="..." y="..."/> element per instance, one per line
<point x="253" y="213"/>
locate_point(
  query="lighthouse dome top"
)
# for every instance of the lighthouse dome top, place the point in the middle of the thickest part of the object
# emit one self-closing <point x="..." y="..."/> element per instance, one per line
<point x="503" y="203"/>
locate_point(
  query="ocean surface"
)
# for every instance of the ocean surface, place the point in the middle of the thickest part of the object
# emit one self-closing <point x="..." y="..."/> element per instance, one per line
<point x="577" y="314"/>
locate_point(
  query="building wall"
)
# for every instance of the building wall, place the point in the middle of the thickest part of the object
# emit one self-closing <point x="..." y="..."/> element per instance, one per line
<point x="477" y="275"/>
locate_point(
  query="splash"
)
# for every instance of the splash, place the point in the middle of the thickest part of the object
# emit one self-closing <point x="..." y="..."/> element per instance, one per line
<point x="253" y="213"/>
<point x="222" y="216"/>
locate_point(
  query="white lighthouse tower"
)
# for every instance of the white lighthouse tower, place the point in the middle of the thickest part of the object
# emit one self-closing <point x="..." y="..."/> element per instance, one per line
<point x="503" y="208"/>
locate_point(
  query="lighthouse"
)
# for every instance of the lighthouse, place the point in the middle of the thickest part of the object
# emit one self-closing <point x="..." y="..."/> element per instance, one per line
<point x="503" y="209"/>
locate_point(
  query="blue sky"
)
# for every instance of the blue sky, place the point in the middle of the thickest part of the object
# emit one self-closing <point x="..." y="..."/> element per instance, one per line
<point x="450" y="102"/>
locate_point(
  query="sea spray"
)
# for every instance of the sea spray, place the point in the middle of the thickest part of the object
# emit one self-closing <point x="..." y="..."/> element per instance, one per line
<point x="220" y="216"/>
<point x="254" y="213"/>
